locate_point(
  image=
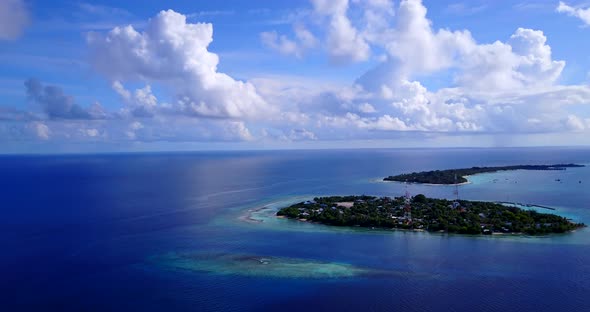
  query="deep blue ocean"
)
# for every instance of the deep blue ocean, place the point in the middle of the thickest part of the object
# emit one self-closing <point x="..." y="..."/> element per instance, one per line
<point x="85" y="232"/>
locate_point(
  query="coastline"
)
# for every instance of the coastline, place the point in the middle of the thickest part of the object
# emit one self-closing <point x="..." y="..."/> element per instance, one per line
<point x="380" y="180"/>
<point x="383" y="229"/>
<point x="468" y="172"/>
<point x="524" y="206"/>
<point x="445" y="233"/>
<point x="249" y="217"/>
<point x="433" y="215"/>
<point x="434" y="184"/>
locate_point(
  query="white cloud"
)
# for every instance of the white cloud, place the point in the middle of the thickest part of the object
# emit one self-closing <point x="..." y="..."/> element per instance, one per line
<point x="237" y="130"/>
<point x="345" y="43"/>
<point x="574" y="123"/>
<point x="39" y="129"/>
<point x="14" y="17"/>
<point x="417" y="47"/>
<point x="524" y="61"/>
<point x="533" y="6"/>
<point x="366" y="108"/>
<point x="582" y="14"/>
<point x="409" y="106"/>
<point x="280" y="43"/>
<point x="500" y="88"/>
<point x="535" y="62"/>
<point x="376" y="18"/>
<point x="132" y="129"/>
<point x="121" y="91"/>
<point x="462" y="8"/>
<point x="307" y="39"/>
<point x="91" y="132"/>
<point x="385" y="122"/>
<point x="102" y="10"/>
<point x="174" y="53"/>
<point x="297" y="47"/>
<point x="142" y="103"/>
<point x="455" y="110"/>
<point x="201" y="14"/>
<point x="301" y="135"/>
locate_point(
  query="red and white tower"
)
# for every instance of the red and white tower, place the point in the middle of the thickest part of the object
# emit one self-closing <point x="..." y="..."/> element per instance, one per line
<point x="456" y="204"/>
<point x="407" y="205"/>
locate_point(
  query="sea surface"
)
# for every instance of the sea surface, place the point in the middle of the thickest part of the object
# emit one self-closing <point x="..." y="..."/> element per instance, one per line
<point x="196" y="232"/>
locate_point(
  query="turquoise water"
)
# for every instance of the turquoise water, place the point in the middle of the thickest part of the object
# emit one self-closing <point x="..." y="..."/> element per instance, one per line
<point x="197" y="232"/>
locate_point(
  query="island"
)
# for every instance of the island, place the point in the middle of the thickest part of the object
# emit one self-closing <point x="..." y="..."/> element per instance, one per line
<point x="457" y="176"/>
<point x="427" y="214"/>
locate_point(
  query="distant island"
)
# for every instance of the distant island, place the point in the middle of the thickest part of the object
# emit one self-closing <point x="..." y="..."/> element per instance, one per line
<point x="427" y="214"/>
<point x="457" y="176"/>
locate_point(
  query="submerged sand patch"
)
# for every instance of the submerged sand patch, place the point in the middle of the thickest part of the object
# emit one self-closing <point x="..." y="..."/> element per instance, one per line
<point x="272" y="267"/>
<point x="256" y="265"/>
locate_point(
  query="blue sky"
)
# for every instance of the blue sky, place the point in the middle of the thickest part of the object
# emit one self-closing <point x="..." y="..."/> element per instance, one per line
<point x="191" y="75"/>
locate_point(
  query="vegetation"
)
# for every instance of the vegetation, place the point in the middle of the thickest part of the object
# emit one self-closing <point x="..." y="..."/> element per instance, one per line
<point x="452" y="176"/>
<point x="465" y="217"/>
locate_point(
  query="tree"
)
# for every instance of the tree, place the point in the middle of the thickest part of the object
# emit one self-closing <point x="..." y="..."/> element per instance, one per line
<point x="420" y="198"/>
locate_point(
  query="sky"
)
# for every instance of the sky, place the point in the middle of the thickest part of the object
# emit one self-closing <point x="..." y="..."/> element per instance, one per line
<point x="111" y="76"/>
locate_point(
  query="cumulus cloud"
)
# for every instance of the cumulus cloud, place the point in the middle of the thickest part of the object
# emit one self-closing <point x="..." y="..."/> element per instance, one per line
<point x="280" y="43"/>
<point x="301" y="135"/>
<point x="184" y="129"/>
<point x="297" y="47"/>
<point x="120" y="130"/>
<point x="64" y="120"/>
<point x="92" y="132"/>
<point x="133" y="127"/>
<point x="574" y="123"/>
<point x="497" y="87"/>
<point x="410" y="107"/>
<point x="582" y="14"/>
<point x="237" y="130"/>
<point x="175" y="53"/>
<point x="523" y="61"/>
<point x="39" y="130"/>
<point x="377" y="15"/>
<point x="413" y="49"/>
<point x="14" y="17"/>
<point x="366" y="108"/>
<point x="345" y="43"/>
<point x="58" y="105"/>
<point x="417" y="47"/>
<point x="502" y="87"/>
<point x="382" y="123"/>
<point x="141" y="103"/>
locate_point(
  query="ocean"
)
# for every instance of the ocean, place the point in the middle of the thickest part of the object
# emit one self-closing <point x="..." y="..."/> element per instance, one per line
<point x="196" y="232"/>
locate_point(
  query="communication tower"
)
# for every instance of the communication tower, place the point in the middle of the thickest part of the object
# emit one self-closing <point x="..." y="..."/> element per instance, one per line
<point x="408" y="206"/>
<point x="456" y="192"/>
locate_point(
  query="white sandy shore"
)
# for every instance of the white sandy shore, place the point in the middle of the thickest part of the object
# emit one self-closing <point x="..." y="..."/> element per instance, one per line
<point x="430" y="184"/>
<point x="249" y="218"/>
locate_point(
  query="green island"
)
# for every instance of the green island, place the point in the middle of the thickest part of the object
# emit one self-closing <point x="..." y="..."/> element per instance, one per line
<point x="427" y="214"/>
<point x="455" y="176"/>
